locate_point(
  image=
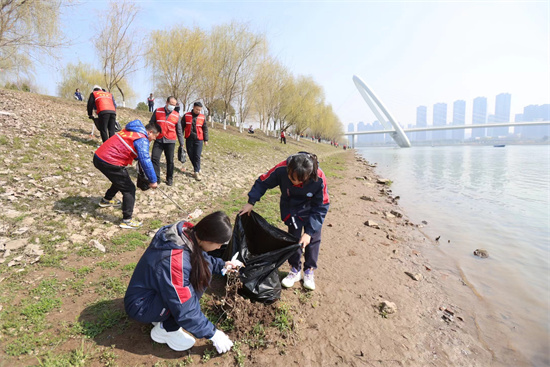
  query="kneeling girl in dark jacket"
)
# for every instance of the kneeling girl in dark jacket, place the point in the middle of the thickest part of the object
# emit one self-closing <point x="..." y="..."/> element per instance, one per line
<point x="171" y="277"/>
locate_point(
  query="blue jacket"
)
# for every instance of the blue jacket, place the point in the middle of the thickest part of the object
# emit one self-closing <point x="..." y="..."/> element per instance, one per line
<point x="307" y="204"/>
<point x="160" y="284"/>
<point x="113" y="151"/>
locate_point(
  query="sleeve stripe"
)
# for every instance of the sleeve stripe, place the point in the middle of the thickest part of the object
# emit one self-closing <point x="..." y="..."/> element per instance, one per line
<point x="266" y="175"/>
<point x="176" y="275"/>
<point x="321" y="174"/>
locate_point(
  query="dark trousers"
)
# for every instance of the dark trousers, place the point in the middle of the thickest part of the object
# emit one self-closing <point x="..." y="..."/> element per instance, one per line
<point x="283" y="139"/>
<point x="312" y="250"/>
<point x="194" y="150"/>
<point x="106" y="125"/>
<point x="122" y="182"/>
<point x="151" y="107"/>
<point x="168" y="149"/>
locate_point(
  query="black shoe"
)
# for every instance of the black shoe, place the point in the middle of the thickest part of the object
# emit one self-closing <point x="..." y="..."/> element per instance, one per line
<point x="169" y="182"/>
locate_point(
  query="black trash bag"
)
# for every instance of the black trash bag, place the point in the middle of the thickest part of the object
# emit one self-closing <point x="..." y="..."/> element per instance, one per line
<point x="182" y="155"/>
<point x="117" y="126"/>
<point x="262" y="248"/>
<point x="142" y="180"/>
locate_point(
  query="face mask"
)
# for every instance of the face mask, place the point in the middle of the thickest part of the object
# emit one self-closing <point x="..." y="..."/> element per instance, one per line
<point x="170" y="107"/>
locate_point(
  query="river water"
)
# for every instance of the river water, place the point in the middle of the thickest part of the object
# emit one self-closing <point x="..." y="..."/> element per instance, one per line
<point x="491" y="198"/>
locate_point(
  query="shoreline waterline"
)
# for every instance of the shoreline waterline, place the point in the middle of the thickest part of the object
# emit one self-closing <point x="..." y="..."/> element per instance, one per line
<point x="471" y="200"/>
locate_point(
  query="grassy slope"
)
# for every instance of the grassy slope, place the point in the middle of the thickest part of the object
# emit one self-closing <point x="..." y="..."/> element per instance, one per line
<point x="49" y="191"/>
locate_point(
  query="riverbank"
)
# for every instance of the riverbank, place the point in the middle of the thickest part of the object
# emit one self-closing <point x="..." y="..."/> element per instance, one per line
<point x="61" y="297"/>
<point x="363" y="265"/>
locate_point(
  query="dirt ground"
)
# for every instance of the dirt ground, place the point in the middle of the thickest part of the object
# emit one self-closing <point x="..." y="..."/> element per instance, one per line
<point x="341" y="323"/>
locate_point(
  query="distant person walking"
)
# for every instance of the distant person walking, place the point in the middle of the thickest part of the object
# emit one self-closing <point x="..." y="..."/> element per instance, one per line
<point x="119" y="151"/>
<point x="196" y="132"/>
<point x="78" y="95"/>
<point x="151" y="102"/>
<point x="283" y="137"/>
<point x="168" y="119"/>
<point x="104" y="103"/>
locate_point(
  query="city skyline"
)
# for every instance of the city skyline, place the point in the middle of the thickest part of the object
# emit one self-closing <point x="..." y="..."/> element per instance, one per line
<point x="480" y="115"/>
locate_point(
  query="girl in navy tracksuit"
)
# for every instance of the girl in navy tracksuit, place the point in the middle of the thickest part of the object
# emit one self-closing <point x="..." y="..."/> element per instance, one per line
<point x="304" y="205"/>
<point x="171" y="277"/>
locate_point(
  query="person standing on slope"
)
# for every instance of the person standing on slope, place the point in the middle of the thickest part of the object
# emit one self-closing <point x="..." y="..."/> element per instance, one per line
<point x="105" y="106"/>
<point x="196" y="132"/>
<point x="168" y="119"/>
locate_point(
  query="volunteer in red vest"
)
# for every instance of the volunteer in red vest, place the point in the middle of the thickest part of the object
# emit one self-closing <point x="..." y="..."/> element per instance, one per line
<point x="105" y="106"/>
<point x="167" y="118"/>
<point x="196" y="132"/>
<point x="119" y="151"/>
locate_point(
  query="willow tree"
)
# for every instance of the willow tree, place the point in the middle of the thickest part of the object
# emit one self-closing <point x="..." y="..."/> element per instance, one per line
<point x="84" y="77"/>
<point x="117" y="45"/>
<point x="28" y="28"/>
<point x="303" y="107"/>
<point x="267" y="86"/>
<point x="228" y="49"/>
<point x="177" y="65"/>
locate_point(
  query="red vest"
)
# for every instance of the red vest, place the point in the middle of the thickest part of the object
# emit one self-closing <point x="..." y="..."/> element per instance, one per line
<point x="119" y="149"/>
<point x="168" y="125"/>
<point x="103" y="101"/>
<point x="189" y="125"/>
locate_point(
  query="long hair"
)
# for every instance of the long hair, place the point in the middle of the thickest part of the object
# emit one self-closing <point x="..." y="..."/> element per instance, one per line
<point x="304" y="165"/>
<point x="215" y="227"/>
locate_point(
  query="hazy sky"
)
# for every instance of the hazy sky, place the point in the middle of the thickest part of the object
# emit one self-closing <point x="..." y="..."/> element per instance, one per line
<point x="410" y="53"/>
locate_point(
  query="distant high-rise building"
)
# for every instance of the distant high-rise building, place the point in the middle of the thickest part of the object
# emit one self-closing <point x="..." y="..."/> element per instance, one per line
<point x="439" y="119"/>
<point x="361" y="139"/>
<point x="502" y="113"/>
<point x="421" y="121"/>
<point x="479" y="116"/>
<point x="459" y="118"/>
<point x="535" y="113"/>
<point x="351" y="127"/>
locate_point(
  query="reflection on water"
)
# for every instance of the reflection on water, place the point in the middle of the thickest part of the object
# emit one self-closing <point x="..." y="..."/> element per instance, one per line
<point x="492" y="198"/>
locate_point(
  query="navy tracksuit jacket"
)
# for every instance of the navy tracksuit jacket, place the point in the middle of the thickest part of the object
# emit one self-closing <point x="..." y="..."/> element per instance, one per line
<point x="160" y="285"/>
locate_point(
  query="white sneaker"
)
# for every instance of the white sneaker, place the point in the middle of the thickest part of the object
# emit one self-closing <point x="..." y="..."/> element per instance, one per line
<point x="177" y="340"/>
<point x="292" y="277"/>
<point x="309" y="280"/>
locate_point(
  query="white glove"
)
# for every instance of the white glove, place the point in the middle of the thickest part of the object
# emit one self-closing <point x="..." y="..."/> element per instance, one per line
<point x="221" y="341"/>
<point x="232" y="264"/>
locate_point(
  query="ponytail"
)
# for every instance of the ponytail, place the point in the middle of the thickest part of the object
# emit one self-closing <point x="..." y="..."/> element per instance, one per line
<point x="215" y="227"/>
<point x="200" y="272"/>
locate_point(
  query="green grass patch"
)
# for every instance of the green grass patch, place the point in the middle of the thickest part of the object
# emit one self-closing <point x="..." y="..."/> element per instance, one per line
<point x="102" y="316"/>
<point x="4" y="140"/>
<point x="129" y="241"/>
<point x="108" y="265"/>
<point x="75" y="358"/>
<point x="111" y="287"/>
<point x="283" y="319"/>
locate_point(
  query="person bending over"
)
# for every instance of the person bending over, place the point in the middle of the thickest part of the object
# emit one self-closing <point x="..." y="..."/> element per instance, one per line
<point x="304" y="204"/>
<point x="119" y="151"/>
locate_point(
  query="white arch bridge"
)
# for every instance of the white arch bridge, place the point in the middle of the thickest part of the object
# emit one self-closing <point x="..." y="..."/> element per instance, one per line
<point x="392" y="128"/>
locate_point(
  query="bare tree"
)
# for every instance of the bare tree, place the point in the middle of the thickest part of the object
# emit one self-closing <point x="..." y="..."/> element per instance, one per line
<point x="117" y="45"/>
<point x="28" y="27"/>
